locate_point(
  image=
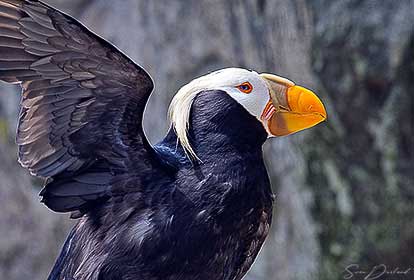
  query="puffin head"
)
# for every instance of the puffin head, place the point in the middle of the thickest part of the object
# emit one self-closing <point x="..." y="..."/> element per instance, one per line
<point x="281" y="106"/>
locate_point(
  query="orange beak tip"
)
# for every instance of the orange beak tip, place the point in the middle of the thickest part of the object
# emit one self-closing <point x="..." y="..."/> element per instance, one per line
<point x="305" y="111"/>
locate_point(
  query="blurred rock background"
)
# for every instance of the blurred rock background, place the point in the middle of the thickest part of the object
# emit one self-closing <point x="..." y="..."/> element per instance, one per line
<point x="344" y="189"/>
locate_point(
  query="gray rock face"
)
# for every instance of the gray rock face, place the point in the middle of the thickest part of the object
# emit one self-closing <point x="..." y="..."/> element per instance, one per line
<point x="361" y="166"/>
<point x="343" y="188"/>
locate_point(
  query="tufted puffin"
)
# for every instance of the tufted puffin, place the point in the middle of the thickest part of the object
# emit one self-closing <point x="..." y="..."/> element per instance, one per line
<point x="197" y="205"/>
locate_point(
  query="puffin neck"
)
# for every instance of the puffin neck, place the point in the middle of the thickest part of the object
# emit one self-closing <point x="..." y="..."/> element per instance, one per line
<point x="221" y="127"/>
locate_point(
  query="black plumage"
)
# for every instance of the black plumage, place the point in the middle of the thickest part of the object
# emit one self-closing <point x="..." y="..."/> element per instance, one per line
<point x="144" y="212"/>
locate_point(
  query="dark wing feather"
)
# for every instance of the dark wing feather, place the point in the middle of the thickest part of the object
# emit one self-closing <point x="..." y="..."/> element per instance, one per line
<point x="82" y="100"/>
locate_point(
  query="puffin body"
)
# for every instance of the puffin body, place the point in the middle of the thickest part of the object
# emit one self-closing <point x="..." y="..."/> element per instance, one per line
<point x="197" y="205"/>
<point x="190" y="221"/>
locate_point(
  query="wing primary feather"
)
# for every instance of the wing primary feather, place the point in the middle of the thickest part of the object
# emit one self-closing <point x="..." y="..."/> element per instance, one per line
<point x="14" y="65"/>
<point x="9" y="11"/>
<point x="13" y="54"/>
<point x="11" y="42"/>
<point x="7" y="22"/>
<point x="17" y="3"/>
<point x="11" y="33"/>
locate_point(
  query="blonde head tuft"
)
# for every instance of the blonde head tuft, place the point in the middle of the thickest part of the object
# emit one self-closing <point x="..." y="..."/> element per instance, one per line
<point x="180" y="108"/>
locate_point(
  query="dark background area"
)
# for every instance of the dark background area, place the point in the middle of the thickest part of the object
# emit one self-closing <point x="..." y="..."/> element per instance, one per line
<point x="344" y="189"/>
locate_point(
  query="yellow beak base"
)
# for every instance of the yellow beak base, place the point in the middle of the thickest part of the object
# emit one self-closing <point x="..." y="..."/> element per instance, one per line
<point x="296" y="109"/>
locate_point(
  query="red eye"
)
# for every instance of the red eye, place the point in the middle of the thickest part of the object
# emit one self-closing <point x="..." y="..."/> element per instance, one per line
<point x="245" y="87"/>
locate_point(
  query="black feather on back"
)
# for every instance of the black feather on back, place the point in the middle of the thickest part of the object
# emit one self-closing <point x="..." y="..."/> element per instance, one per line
<point x="82" y="101"/>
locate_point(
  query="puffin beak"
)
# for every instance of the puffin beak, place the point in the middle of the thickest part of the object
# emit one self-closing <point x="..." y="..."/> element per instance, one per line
<point x="291" y="108"/>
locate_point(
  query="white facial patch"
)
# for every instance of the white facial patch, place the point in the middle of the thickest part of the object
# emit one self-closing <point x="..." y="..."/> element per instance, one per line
<point x="255" y="101"/>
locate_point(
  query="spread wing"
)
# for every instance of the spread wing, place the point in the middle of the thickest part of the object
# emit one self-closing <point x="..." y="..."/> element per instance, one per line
<point x="82" y="102"/>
